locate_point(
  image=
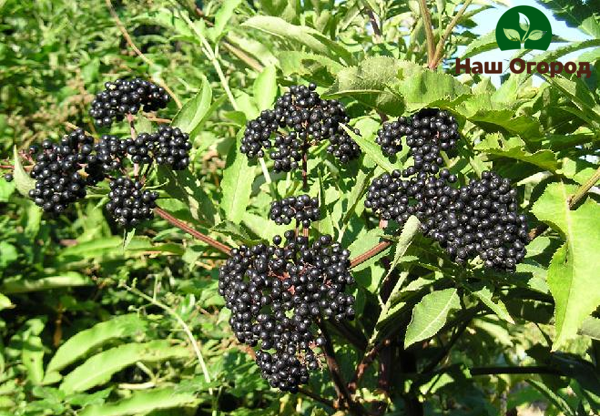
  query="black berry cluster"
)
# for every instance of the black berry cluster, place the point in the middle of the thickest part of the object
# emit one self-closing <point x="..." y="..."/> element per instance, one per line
<point x="129" y="203"/>
<point x="58" y="182"/>
<point x="427" y="133"/>
<point x="483" y="220"/>
<point x="126" y="97"/>
<point x="300" y="119"/>
<point x="302" y="208"/>
<point x="479" y="219"/>
<point x="172" y="147"/>
<point x="276" y="292"/>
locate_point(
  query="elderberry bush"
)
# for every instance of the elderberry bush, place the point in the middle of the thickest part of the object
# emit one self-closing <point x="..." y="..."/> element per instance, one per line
<point x="277" y="292"/>
<point x="299" y="120"/>
<point x="302" y="208"/>
<point x="125" y="96"/>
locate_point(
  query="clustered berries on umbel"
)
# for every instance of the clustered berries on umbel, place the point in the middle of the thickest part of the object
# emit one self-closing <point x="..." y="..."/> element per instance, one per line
<point x="277" y="292"/>
<point x="129" y="204"/>
<point x="308" y="119"/>
<point x="125" y="96"/>
<point x="302" y="208"/>
<point x="479" y="219"/>
<point x="58" y="182"/>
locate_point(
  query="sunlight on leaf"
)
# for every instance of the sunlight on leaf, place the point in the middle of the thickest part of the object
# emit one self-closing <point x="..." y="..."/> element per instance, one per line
<point x="512" y="34"/>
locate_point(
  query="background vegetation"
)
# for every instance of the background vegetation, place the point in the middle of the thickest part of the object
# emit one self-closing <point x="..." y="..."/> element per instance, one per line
<point x="93" y="323"/>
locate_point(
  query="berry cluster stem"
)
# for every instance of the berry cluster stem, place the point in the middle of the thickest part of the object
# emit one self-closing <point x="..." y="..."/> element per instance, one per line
<point x="369" y="253"/>
<point x="195" y="233"/>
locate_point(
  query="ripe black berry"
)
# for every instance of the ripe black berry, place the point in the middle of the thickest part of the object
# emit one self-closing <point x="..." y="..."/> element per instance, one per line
<point x="172" y="147"/>
<point x="126" y="97"/>
<point x="129" y="204"/>
<point x="8" y="177"/>
<point x="302" y="208"/>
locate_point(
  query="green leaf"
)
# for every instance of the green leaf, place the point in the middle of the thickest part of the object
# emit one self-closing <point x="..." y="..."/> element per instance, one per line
<point x="194" y="110"/>
<point x="303" y="35"/>
<point x="371" y="149"/>
<point x="142" y="402"/>
<point x="99" y="369"/>
<point x="430" y="314"/>
<point x="425" y="88"/>
<point x="571" y="273"/>
<point x="409" y="231"/>
<point x="66" y="279"/>
<point x="482" y="44"/>
<point x="84" y="341"/>
<point x="265" y="88"/>
<point x="536" y="35"/>
<point x="523" y="22"/>
<point x="514" y="148"/>
<point x="591" y="328"/>
<point x="512" y="34"/>
<point x="485" y="295"/>
<point x="559" y="401"/>
<point x="236" y="185"/>
<point x="369" y="83"/>
<point x="32" y="351"/>
<point x="5" y="302"/>
<point x="6" y="189"/>
<point x="24" y="183"/>
<point x="8" y="254"/>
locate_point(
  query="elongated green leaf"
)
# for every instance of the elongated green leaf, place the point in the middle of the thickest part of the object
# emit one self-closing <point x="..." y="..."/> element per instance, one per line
<point x="192" y="113"/>
<point x="66" y="279"/>
<point x="514" y="148"/>
<point x="265" y="88"/>
<point x="370" y="83"/>
<point x="100" y="368"/>
<point x="591" y="328"/>
<point x="372" y="150"/>
<point x="409" y="231"/>
<point x="482" y="44"/>
<point x="430" y="314"/>
<point x="236" y="185"/>
<point x="141" y="402"/>
<point x="578" y="92"/>
<point x="23" y="181"/>
<point x="572" y="272"/>
<point x="498" y="307"/>
<point x="32" y="351"/>
<point x="303" y="35"/>
<point x="85" y="341"/>
<point x="556" y="398"/>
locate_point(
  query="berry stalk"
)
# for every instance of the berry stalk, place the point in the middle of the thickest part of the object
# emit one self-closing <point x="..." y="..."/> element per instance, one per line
<point x="195" y="233"/>
<point x="369" y="253"/>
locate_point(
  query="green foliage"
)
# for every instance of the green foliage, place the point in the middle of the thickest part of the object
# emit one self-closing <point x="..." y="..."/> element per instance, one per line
<point x="98" y="322"/>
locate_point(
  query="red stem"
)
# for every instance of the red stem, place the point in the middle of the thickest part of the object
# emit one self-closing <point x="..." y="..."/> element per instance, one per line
<point x="369" y="253"/>
<point x="195" y="233"/>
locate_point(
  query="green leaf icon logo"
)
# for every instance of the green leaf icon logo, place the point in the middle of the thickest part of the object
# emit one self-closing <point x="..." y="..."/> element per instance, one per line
<point x="512" y="34"/>
<point x="536" y="35"/>
<point x="524" y="22"/>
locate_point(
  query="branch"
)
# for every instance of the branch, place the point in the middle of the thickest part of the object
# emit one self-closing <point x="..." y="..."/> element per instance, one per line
<point x="374" y="24"/>
<point x="437" y="58"/>
<point x="369" y="253"/>
<point x="195" y="233"/>
<point x="316" y="397"/>
<point x="428" y="31"/>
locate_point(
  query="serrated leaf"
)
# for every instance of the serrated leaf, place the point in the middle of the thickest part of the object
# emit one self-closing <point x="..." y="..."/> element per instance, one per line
<point x="430" y="314"/>
<point x="571" y="273"/>
<point x="369" y="83"/>
<point x="409" y="231"/>
<point x="371" y="149"/>
<point x="194" y="110"/>
<point x="222" y="17"/>
<point x="482" y="44"/>
<point x="536" y="35"/>
<point x="265" y="88"/>
<point x="514" y="148"/>
<point x="236" y="186"/>
<point x="84" y="341"/>
<point x="23" y="182"/>
<point x="512" y="34"/>
<point x="100" y="368"/>
<point x="498" y="307"/>
<point x="142" y="402"/>
<point x="523" y="22"/>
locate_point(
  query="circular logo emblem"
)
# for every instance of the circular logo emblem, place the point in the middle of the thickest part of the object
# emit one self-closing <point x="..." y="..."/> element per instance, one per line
<point x="523" y="27"/>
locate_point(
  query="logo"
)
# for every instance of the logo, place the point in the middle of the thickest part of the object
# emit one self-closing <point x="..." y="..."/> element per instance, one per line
<point x="523" y="27"/>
